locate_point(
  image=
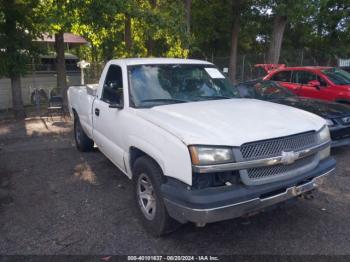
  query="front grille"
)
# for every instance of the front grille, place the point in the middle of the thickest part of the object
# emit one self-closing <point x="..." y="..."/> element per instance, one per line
<point x="277" y="170"/>
<point x="274" y="147"/>
<point x="345" y="121"/>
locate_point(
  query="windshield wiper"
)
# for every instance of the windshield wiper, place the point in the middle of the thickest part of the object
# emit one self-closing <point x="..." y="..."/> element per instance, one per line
<point x="216" y="97"/>
<point x="165" y="100"/>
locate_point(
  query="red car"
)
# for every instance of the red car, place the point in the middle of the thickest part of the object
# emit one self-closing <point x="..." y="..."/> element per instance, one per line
<point x="326" y="83"/>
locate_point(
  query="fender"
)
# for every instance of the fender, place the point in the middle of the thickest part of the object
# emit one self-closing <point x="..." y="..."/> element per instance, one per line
<point x="146" y="147"/>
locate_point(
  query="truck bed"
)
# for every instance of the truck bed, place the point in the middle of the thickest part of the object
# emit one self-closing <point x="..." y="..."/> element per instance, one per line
<point x="81" y="100"/>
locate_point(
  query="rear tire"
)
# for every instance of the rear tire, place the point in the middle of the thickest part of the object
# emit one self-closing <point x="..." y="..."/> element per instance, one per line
<point x="82" y="141"/>
<point x="148" y="178"/>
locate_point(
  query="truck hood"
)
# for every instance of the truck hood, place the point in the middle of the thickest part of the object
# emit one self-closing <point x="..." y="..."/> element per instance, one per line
<point x="230" y="122"/>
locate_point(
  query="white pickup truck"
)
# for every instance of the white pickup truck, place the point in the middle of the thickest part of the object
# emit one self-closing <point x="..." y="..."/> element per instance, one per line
<point x="195" y="150"/>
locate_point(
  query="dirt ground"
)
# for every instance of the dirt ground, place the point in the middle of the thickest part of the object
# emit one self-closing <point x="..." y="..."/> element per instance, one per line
<point x="56" y="200"/>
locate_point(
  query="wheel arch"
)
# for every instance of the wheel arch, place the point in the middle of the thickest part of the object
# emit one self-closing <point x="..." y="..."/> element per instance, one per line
<point x="135" y="152"/>
<point x="74" y="112"/>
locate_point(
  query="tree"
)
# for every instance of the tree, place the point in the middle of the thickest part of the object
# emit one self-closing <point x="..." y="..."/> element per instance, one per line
<point x="284" y="11"/>
<point x="60" y="15"/>
<point x="333" y="25"/>
<point x="128" y="33"/>
<point x="279" y="25"/>
<point x="237" y="6"/>
<point x="18" y="20"/>
<point x="61" y="65"/>
<point x="211" y="28"/>
<point x="150" y="41"/>
<point x="188" y="6"/>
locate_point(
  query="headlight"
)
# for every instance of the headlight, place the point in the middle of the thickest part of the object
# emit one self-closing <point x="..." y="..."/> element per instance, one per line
<point x="206" y="155"/>
<point x="324" y="135"/>
<point x="329" y="122"/>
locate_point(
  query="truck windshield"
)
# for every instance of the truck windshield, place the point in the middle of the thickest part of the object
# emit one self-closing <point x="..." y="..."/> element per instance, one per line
<point x="337" y="76"/>
<point x="154" y="85"/>
<point x="266" y="90"/>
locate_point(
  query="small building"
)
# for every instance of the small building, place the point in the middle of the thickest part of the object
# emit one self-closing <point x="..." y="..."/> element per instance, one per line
<point x="71" y="41"/>
<point x="344" y="62"/>
<point x="42" y="74"/>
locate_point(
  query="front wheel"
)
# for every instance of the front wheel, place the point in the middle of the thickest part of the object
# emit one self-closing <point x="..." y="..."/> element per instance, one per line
<point x="82" y="141"/>
<point x="149" y="201"/>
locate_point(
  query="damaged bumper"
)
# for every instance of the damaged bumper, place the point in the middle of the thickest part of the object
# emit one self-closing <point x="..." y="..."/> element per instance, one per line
<point x="217" y="204"/>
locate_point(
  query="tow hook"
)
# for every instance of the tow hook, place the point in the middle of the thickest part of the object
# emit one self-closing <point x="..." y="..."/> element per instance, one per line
<point x="307" y="195"/>
<point x="200" y="224"/>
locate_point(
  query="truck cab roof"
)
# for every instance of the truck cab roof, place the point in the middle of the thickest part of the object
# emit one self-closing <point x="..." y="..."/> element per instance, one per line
<point x="143" y="61"/>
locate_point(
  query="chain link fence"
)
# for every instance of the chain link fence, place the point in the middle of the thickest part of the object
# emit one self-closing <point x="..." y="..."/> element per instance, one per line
<point x="44" y="78"/>
<point x="246" y="69"/>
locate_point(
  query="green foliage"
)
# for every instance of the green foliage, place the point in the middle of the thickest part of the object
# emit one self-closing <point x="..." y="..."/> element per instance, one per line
<point x="102" y="23"/>
<point x="321" y="27"/>
<point x="294" y="10"/>
<point x="333" y="26"/>
<point x="316" y="25"/>
<point x="19" y="21"/>
<point x="211" y="27"/>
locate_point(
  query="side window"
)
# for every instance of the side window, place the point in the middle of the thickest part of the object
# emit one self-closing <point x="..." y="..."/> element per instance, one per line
<point x="294" y="77"/>
<point x="283" y="76"/>
<point x="323" y="82"/>
<point x="112" y="92"/>
<point x="303" y="77"/>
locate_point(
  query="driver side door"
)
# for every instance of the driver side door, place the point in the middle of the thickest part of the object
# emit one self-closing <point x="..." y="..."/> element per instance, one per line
<point x="284" y="78"/>
<point x="307" y="90"/>
<point x="107" y="133"/>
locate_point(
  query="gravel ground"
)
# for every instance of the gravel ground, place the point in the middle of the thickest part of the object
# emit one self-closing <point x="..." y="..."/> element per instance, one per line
<point x="56" y="200"/>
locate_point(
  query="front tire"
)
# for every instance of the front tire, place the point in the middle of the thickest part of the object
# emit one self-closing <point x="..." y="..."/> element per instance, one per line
<point x="82" y="141"/>
<point x="148" y="178"/>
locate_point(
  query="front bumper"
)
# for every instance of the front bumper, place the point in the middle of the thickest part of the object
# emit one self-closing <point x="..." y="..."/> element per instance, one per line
<point x="340" y="142"/>
<point x="340" y="136"/>
<point x="217" y="204"/>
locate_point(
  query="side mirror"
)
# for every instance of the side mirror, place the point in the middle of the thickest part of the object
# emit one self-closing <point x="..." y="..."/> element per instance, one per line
<point x="118" y="102"/>
<point x="116" y="105"/>
<point x="314" y="83"/>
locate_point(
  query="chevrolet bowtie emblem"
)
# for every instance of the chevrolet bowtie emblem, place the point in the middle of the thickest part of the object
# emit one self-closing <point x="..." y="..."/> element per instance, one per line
<point x="289" y="157"/>
<point x="346" y="120"/>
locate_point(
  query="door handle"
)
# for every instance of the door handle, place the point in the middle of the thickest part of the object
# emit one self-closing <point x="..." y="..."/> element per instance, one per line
<point x="97" y="111"/>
